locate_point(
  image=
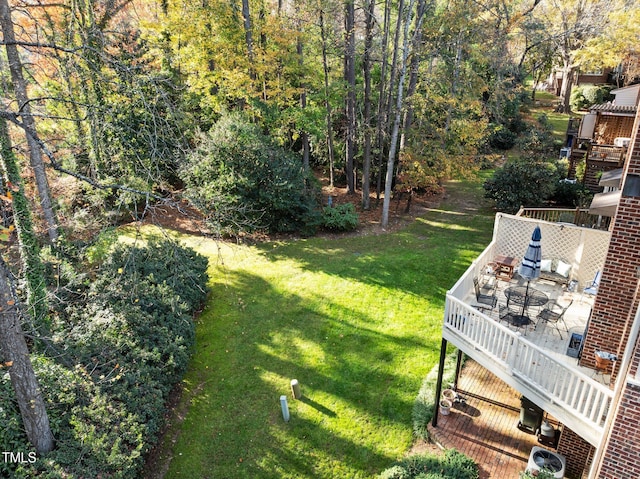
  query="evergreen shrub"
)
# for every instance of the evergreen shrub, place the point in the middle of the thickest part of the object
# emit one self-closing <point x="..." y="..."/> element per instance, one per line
<point x="340" y="217"/>
<point x="124" y="343"/>
<point x="525" y="182"/>
<point x="244" y="182"/>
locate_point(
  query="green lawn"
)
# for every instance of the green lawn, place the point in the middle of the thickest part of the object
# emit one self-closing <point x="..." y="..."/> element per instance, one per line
<point x="558" y="121"/>
<point x="356" y="320"/>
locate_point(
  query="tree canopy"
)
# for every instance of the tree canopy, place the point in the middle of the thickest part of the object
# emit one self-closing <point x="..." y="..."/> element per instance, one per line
<point x="113" y="108"/>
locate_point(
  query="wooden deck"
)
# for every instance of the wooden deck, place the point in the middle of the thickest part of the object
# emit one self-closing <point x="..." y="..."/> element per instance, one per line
<point x="485" y="425"/>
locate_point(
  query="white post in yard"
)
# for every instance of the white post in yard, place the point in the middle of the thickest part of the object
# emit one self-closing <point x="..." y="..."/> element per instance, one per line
<point x="285" y="408"/>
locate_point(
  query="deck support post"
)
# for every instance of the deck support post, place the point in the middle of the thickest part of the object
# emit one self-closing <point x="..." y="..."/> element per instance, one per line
<point x="443" y="355"/>
<point x="458" y="369"/>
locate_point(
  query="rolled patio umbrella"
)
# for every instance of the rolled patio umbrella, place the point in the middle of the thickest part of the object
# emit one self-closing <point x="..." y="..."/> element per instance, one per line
<point x="530" y="267"/>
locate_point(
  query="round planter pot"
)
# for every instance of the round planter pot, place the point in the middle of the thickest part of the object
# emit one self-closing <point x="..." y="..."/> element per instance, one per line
<point x="449" y="395"/>
<point x="445" y="407"/>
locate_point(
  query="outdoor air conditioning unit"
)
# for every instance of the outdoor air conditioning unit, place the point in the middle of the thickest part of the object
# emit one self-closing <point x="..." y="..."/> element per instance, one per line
<point x="541" y="458"/>
<point x="621" y="141"/>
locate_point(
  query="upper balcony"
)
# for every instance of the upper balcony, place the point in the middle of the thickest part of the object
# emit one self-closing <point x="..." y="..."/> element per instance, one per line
<point x="534" y="361"/>
<point x="575" y="216"/>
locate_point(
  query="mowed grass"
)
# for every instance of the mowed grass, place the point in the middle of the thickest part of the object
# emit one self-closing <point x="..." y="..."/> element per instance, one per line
<point x="558" y="121"/>
<point x="355" y="320"/>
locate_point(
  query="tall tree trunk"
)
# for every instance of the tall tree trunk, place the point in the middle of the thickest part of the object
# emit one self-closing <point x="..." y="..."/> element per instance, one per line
<point x="413" y="75"/>
<point x="368" y="42"/>
<point x="327" y="103"/>
<point x="381" y="127"/>
<point x="304" y="136"/>
<point x="389" y="103"/>
<point x="454" y="84"/>
<point x="24" y="110"/>
<point x="29" y="247"/>
<point x="398" y="113"/>
<point x="350" y="77"/>
<point x="248" y="34"/>
<point x="564" y="104"/>
<point x="15" y="356"/>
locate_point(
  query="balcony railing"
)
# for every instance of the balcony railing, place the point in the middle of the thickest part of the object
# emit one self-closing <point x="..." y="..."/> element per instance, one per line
<point x="576" y="216"/>
<point x="571" y="396"/>
<point x="556" y="385"/>
<point x="608" y="154"/>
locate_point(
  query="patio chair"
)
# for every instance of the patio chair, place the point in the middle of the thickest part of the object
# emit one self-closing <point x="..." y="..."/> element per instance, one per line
<point x="592" y="289"/>
<point x="489" y="300"/>
<point x="553" y="313"/>
<point x="506" y="314"/>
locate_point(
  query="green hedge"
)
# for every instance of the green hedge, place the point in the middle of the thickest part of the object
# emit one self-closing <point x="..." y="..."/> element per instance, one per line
<point x="128" y="336"/>
<point x="450" y="465"/>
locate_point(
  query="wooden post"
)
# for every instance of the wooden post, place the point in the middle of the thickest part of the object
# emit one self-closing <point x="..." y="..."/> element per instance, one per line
<point x="295" y="389"/>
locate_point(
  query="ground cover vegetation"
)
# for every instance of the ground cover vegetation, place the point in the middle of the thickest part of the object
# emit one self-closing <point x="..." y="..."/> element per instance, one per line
<point x="113" y="110"/>
<point x="123" y="336"/>
<point x="453" y="466"/>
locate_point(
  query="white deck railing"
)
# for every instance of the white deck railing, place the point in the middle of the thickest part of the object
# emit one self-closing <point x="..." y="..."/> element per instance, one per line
<point x="571" y="396"/>
<point x="561" y="388"/>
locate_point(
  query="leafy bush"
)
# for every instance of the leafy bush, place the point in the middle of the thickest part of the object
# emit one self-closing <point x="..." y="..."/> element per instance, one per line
<point x="128" y="336"/>
<point x="571" y="194"/>
<point x="244" y="182"/>
<point x="541" y="474"/>
<point x="526" y="182"/>
<point x="502" y="138"/>
<point x="425" y="403"/>
<point x="538" y="141"/>
<point x="450" y="465"/>
<point x="340" y="218"/>
<point x="584" y="96"/>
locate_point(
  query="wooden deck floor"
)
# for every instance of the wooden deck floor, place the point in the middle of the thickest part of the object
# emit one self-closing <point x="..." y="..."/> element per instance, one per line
<point x="485" y="425"/>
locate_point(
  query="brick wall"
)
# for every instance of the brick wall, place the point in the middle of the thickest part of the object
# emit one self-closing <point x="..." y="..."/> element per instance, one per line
<point x="577" y="452"/>
<point x="614" y="310"/>
<point x="616" y="301"/>
<point x="622" y="457"/>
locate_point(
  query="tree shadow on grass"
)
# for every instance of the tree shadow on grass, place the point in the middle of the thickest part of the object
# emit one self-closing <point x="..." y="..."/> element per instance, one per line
<point x="317" y="406"/>
<point x="424" y="259"/>
<point x="247" y="352"/>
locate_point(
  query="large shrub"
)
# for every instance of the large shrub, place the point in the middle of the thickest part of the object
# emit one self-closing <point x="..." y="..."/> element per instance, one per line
<point x="502" y="138"/>
<point x="525" y="182"/>
<point x="124" y="342"/>
<point x="244" y="182"/>
<point x="537" y="139"/>
<point x="571" y="195"/>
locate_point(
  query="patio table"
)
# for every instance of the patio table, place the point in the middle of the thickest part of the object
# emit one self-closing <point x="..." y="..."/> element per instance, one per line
<point x="524" y="296"/>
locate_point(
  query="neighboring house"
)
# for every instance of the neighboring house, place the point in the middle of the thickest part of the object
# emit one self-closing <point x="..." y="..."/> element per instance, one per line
<point x="602" y="136"/>
<point x="600" y="77"/>
<point x="599" y="423"/>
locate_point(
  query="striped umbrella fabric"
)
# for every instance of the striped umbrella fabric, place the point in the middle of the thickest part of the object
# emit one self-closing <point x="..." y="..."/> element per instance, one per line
<point x="530" y="267"/>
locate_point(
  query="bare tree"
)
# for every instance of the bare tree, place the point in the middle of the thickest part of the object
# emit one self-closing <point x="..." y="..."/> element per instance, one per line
<point x="24" y="111"/>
